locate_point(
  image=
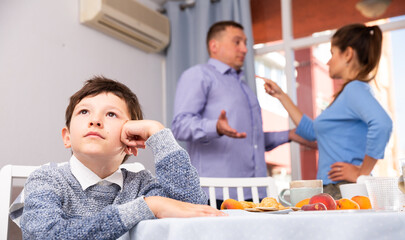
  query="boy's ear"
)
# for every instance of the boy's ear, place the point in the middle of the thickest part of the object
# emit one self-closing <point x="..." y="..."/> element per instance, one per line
<point x="66" y="137"/>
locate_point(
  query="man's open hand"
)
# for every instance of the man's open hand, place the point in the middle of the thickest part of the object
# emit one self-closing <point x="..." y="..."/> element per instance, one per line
<point x="223" y="127"/>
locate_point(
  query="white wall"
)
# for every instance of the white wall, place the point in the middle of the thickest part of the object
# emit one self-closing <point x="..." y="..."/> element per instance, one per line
<point x="45" y="56"/>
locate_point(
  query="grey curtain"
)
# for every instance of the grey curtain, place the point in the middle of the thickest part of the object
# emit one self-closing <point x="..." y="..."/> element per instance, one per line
<point x="188" y="34"/>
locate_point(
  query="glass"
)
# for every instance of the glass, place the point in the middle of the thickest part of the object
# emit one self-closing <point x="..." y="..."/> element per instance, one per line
<point x="384" y="193"/>
<point x="402" y="164"/>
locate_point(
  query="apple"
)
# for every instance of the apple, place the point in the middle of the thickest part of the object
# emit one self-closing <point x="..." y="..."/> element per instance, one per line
<point x="324" y="198"/>
<point x="314" y="207"/>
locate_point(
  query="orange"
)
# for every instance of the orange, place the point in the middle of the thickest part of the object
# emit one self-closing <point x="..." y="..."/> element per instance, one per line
<point x="231" y="204"/>
<point x="363" y="201"/>
<point x="346" y="203"/>
<point x="337" y="205"/>
<point x="302" y="202"/>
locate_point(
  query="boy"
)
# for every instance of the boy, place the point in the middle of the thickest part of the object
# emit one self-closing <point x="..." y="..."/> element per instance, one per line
<point x="91" y="198"/>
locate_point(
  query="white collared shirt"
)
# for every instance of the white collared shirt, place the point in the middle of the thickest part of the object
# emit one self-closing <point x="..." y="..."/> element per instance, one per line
<point x="87" y="178"/>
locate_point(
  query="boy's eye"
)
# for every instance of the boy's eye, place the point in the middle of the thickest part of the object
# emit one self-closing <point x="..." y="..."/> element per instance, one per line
<point x="111" y="114"/>
<point x="83" y="112"/>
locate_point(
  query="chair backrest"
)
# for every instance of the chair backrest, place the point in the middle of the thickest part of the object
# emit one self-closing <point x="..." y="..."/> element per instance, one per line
<point x="239" y="184"/>
<point x="7" y="174"/>
<point x="10" y="172"/>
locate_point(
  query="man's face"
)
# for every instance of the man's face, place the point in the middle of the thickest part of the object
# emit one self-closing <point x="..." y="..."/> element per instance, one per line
<point x="95" y="128"/>
<point x="230" y="47"/>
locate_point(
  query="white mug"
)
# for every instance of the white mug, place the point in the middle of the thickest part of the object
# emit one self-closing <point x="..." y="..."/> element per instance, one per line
<point x="300" y="190"/>
<point x="353" y="189"/>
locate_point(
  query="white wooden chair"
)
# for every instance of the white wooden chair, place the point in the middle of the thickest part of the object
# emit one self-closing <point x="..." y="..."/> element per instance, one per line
<point x="239" y="184"/>
<point x="7" y="174"/>
<point x="10" y="172"/>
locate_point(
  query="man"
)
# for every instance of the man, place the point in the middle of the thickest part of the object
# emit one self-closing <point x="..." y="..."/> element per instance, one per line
<point x="212" y="97"/>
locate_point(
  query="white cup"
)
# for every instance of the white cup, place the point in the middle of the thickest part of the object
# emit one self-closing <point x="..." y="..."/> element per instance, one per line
<point x="300" y="190"/>
<point x="353" y="189"/>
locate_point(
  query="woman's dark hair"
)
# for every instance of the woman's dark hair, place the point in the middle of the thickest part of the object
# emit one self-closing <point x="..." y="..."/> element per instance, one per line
<point x="367" y="42"/>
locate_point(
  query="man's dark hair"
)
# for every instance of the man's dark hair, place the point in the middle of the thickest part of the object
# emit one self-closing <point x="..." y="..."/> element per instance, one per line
<point x="217" y="28"/>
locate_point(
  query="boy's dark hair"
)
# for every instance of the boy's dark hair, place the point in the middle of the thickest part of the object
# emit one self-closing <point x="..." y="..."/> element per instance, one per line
<point x="100" y="84"/>
<point x="218" y="27"/>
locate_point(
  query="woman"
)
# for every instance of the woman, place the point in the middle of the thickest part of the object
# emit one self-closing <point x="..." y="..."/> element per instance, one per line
<point x="353" y="131"/>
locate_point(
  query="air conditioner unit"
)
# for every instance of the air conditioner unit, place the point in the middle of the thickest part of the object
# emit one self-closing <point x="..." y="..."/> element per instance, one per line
<point x="128" y="21"/>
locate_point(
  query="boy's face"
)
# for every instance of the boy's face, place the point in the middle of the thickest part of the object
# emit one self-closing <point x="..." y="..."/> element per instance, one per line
<point x="95" y="128"/>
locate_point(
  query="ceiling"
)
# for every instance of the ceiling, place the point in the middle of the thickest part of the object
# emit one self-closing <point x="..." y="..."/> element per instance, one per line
<point x="310" y="16"/>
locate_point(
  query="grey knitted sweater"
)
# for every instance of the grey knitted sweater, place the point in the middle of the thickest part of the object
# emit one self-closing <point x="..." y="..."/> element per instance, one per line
<point x="56" y="207"/>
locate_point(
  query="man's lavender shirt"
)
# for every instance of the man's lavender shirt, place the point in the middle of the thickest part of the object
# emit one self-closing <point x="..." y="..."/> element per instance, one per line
<point x="202" y="92"/>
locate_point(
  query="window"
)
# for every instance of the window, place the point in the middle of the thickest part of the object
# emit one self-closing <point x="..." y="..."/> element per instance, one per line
<point x="315" y="90"/>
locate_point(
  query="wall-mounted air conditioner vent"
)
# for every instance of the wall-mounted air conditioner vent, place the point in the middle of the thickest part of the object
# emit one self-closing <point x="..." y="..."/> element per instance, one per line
<point x="128" y="21"/>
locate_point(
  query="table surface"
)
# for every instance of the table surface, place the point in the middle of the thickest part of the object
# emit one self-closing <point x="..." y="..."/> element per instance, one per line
<point x="343" y="224"/>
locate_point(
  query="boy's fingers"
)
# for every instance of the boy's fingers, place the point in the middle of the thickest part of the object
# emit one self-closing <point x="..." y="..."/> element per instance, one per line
<point x="134" y="143"/>
<point x="134" y="151"/>
<point x="140" y="145"/>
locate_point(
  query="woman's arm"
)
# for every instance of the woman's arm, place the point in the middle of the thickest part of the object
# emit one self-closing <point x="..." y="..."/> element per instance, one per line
<point x="362" y="104"/>
<point x="274" y="90"/>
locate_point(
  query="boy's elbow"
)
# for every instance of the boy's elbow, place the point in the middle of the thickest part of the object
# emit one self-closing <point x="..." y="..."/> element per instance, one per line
<point x="33" y="227"/>
<point x="29" y="231"/>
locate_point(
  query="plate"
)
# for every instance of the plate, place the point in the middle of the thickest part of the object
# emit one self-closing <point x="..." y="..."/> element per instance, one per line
<point x="267" y="208"/>
<point x="334" y="211"/>
<point x="285" y="211"/>
<point x="253" y="210"/>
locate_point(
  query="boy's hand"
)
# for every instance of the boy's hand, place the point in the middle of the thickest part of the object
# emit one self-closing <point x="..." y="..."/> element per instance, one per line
<point x="134" y="133"/>
<point x="164" y="207"/>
